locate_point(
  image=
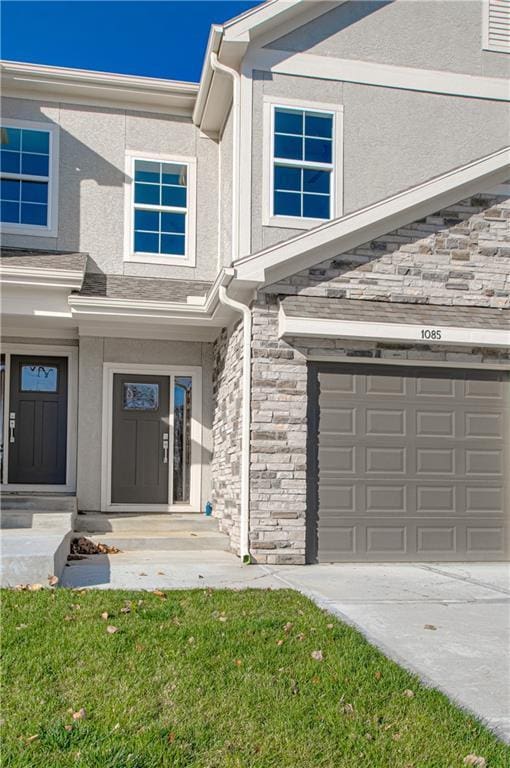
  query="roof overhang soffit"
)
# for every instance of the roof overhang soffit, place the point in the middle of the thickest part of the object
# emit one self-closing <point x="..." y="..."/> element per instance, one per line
<point x="230" y="43"/>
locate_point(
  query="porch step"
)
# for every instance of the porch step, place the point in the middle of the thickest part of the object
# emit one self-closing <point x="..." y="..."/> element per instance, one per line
<point x="13" y="502"/>
<point x="163" y="532"/>
<point x="140" y="524"/>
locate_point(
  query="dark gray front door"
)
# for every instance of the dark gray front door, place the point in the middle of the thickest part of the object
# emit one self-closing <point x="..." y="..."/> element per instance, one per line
<point x="140" y="439"/>
<point x="412" y="463"/>
<point x="38" y="420"/>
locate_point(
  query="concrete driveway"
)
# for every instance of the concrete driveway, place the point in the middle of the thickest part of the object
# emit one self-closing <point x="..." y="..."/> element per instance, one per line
<point x="465" y="654"/>
<point x="448" y="623"/>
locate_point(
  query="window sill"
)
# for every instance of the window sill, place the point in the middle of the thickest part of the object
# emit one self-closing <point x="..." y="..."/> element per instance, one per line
<point x="151" y="258"/>
<point x="292" y="222"/>
<point x="27" y="229"/>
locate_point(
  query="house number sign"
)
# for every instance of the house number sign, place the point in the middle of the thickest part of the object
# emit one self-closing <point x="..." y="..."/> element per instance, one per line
<point x="430" y="334"/>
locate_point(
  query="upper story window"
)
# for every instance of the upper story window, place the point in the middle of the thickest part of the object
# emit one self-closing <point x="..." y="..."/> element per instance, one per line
<point x="496" y="25"/>
<point x="303" y="178"/>
<point x="162" y="210"/>
<point x="28" y="178"/>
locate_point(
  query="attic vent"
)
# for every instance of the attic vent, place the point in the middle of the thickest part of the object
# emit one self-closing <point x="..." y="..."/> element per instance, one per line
<point x="497" y="25"/>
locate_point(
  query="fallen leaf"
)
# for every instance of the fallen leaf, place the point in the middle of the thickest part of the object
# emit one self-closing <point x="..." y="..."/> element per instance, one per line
<point x="377" y="675"/>
<point x="139" y="647"/>
<point x="22" y="626"/>
<point x="409" y="693"/>
<point x="429" y="626"/>
<point x="279" y="642"/>
<point x="347" y="709"/>
<point x="161" y="573"/>
<point x="238" y="662"/>
<point x="288" y="626"/>
<point x="111" y="629"/>
<point x="368" y="736"/>
<point x="105" y="615"/>
<point x="126" y="609"/>
<point x="223" y="618"/>
<point x="330" y="626"/>
<point x="34" y="587"/>
<point x="396" y="737"/>
<point x="191" y="640"/>
<point x="159" y="593"/>
<point x="294" y="687"/>
<point x="32" y="738"/>
<point x="171" y="737"/>
<point x="301" y="636"/>
<point x="68" y="727"/>
<point x="53" y="581"/>
<point x="476" y="760"/>
<point x="317" y="655"/>
<point x="80" y="714"/>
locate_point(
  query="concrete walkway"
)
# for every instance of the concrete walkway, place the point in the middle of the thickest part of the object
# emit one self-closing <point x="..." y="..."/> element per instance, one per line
<point x="465" y="654"/>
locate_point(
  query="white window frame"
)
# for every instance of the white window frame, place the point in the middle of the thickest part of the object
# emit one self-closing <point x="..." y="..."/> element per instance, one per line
<point x="51" y="227"/>
<point x="487" y="45"/>
<point x="189" y="258"/>
<point x="270" y="104"/>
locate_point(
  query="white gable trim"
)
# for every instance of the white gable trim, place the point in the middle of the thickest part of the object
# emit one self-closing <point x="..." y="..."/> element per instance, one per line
<point x="339" y="235"/>
<point x="384" y="75"/>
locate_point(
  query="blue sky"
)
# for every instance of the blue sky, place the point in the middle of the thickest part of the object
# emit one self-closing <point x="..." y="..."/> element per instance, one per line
<point x="166" y="38"/>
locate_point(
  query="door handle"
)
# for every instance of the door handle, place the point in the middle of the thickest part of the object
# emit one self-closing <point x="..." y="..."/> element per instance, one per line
<point x="12" y="427"/>
<point x="165" y="448"/>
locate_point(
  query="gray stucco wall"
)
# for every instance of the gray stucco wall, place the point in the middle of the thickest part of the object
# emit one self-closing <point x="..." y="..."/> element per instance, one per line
<point x="93" y="143"/>
<point x="427" y="34"/>
<point x="392" y="139"/>
<point x="94" y="351"/>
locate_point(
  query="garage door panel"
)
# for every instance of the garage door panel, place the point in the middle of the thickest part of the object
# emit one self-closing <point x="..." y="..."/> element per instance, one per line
<point x="411" y="464"/>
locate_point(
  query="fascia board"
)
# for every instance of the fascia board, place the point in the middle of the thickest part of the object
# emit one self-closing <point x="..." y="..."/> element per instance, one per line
<point x="340" y="235"/>
<point x="83" y="86"/>
<point x="50" y="278"/>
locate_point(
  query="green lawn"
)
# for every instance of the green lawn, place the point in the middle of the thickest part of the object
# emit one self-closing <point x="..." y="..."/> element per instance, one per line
<point x="213" y="679"/>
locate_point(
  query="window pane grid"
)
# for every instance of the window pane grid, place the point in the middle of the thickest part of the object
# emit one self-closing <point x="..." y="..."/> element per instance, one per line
<point x="25" y="156"/>
<point x="160" y="207"/>
<point x="302" y="163"/>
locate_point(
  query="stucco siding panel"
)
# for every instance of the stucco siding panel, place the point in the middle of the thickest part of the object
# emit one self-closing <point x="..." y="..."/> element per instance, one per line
<point x="395" y="139"/>
<point x="426" y="34"/>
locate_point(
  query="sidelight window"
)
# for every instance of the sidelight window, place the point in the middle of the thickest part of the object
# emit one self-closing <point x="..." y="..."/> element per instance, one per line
<point x="182" y="439"/>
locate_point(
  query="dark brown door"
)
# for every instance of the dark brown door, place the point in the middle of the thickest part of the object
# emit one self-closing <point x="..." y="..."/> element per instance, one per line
<point x="38" y="420"/>
<point x="140" y="440"/>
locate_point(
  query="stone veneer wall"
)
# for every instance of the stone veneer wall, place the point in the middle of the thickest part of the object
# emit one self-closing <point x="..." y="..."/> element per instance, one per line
<point x="458" y="256"/>
<point x="226" y="456"/>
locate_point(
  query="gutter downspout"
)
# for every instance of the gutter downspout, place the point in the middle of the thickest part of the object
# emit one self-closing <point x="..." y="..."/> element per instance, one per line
<point x="243" y="309"/>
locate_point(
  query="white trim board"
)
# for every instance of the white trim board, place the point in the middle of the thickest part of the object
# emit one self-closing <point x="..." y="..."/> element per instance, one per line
<point x="195" y="372"/>
<point x="45" y="350"/>
<point x="339" y="235"/>
<point x="430" y="335"/>
<point x="384" y="75"/>
<point x="415" y="363"/>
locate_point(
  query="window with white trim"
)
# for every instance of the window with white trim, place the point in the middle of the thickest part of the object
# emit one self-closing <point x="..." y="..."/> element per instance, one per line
<point x="27" y="180"/>
<point x="302" y="184"/>
<point x="496" y="25"/>
<point x="302" y="163"/>
<point x="162" y="210"/>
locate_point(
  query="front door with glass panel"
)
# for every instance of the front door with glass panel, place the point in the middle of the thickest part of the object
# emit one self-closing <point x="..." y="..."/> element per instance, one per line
<point x="37" y="420"/>
<point x="151" y="432"/>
